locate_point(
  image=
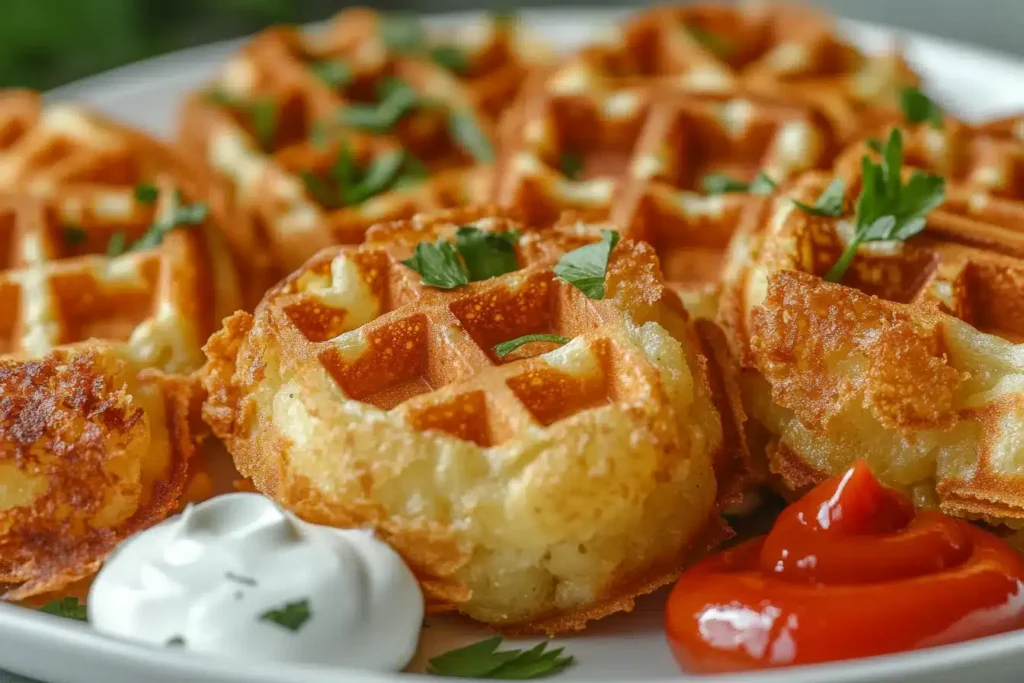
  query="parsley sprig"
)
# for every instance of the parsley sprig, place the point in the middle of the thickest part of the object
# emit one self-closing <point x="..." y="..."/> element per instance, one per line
<point x="73" y="235"/>
<point x="504" y="348"/>
<point x="404" y="34"/>
<point x="176" y="216"/>
<point x="450" y="58"/>
<point x="887" y="208"/>
<point x="570" y="164"/>
<point x="465" y="130"/>
<point x="262" y="114"/>
<point x="347" y="184"/>
<point x="395" y="100"/>
<point x="585" y="268"/>
<point x="483" y="660"/>
<point x="292" y="616"/>
<point x="476" y="255"/>
<point x="919" y="108"/>
<point x="69" y="608"/>
<point x="146" y="193"/>
<point x="714" y="43"/>
<point x="829" y="203"/>
<point x="334" y="72"/>
<point x="719" y="183"/>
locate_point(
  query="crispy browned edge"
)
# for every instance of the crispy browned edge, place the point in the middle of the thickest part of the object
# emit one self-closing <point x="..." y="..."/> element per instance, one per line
<point x="44" y="403"/>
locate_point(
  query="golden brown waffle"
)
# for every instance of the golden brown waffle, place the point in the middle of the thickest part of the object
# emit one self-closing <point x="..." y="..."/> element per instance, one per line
<point x="76" y="318"/>
<point x="534" y="491"/>
<point x="282" y="111"/>
<point x="638" y="157"/>
<point x="777" y="49"/>
<point x="894" y="365"/>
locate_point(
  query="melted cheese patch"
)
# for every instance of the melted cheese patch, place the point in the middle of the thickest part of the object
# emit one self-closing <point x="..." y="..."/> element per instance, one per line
<point x="708" y="79"/>
<point x="596" y="192"/>
<point x="350" y="345"/>
<point x="571" y="80"/>
<point x="693" y="204"/>
<point x="647" y="166"/>
<point x="229" y="153"/>
<point x="789" y="58"/>
<point x="795" y="148"/>
<point x="349" y="292"/>
<point x="575" y="358"/>
<point x="989" y="176"/>
<point x="735" y="117"/>
<point x="937" y="145"/>
<point x="621" y="105"/>
<point x="238" y="77"/>
<point x="290" y="415"/>
<point x="114" y="205"/>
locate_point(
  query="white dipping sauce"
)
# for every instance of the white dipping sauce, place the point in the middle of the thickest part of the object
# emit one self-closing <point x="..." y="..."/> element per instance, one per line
<point x="205" y="579"/>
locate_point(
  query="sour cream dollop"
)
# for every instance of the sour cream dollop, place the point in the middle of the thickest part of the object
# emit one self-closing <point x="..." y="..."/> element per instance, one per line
<point x="239" y="575"/>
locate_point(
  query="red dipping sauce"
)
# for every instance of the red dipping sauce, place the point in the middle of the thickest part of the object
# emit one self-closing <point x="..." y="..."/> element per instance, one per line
<point x="851" y="570"/>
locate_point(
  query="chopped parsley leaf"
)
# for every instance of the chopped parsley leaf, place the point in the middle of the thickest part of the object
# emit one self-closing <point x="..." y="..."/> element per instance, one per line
<point x="585" y="268"/>
<point x="292" y="616"/>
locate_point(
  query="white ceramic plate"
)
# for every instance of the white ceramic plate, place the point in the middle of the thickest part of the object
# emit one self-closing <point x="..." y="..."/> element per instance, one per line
<point x="970" y="82"/>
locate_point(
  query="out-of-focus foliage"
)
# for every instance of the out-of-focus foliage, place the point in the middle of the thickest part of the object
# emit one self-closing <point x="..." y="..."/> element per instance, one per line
<point x="44" y="43"/>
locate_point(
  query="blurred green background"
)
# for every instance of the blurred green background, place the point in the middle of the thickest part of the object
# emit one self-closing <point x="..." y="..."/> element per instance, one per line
<point x="45" y="43"/>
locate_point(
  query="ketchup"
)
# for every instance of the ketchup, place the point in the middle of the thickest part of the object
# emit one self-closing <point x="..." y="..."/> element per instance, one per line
<point x="851" y="570"/>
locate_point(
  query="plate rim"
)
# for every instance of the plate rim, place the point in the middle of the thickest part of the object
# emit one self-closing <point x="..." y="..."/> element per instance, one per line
<point x="20" y="627"/>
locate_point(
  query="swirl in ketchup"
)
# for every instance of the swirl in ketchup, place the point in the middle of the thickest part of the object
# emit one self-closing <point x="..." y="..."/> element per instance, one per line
<point x="851" y="570"/>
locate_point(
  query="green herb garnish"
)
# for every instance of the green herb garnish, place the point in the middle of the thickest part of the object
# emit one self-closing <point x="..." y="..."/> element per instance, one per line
<point x="763" y="185"/>
<point x="874" y="144"/>
<point x="69" y="608"/>
<point x="291" y="616"/>
<point x="585" y="268"/>
<point x="712" y="42"/>
<point x="263" y="114"/>
<point x="450" y="58"/>
<point x="395" y="100"/>
<point x="477" y="255"/>
<point x="117" y="243"/>
<point x="483" y="660"/>
<point x="887" y="208"/>
<point x="505" y="348"/>
<point x="486" y="254"/>
<point x="919" y="108"/>
<point x="570" y="164"/>
<point x="830" y="203"/>
<point x="219" y="97"/>
<point x="401" y="32"/>
<point x="719" y="183"/>
<point x="333" y="72"/>
<point x="352" y="185"/>
<point x="73" y="235"/>
<point x="146" y="193"/>
<point x="177" y="215"/>
<point x="466" y="131"/>
<point x="438" y="265"/>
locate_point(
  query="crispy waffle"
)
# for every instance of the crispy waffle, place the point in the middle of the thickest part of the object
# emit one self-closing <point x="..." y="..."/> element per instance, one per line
<point x="637" y="157"/>
<point x="777" y="49"/>
<point x="89" y="340"/>
<point x="897" y="364"/>
<point x="534" y="491"/>
<point x="280" y="113"/>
